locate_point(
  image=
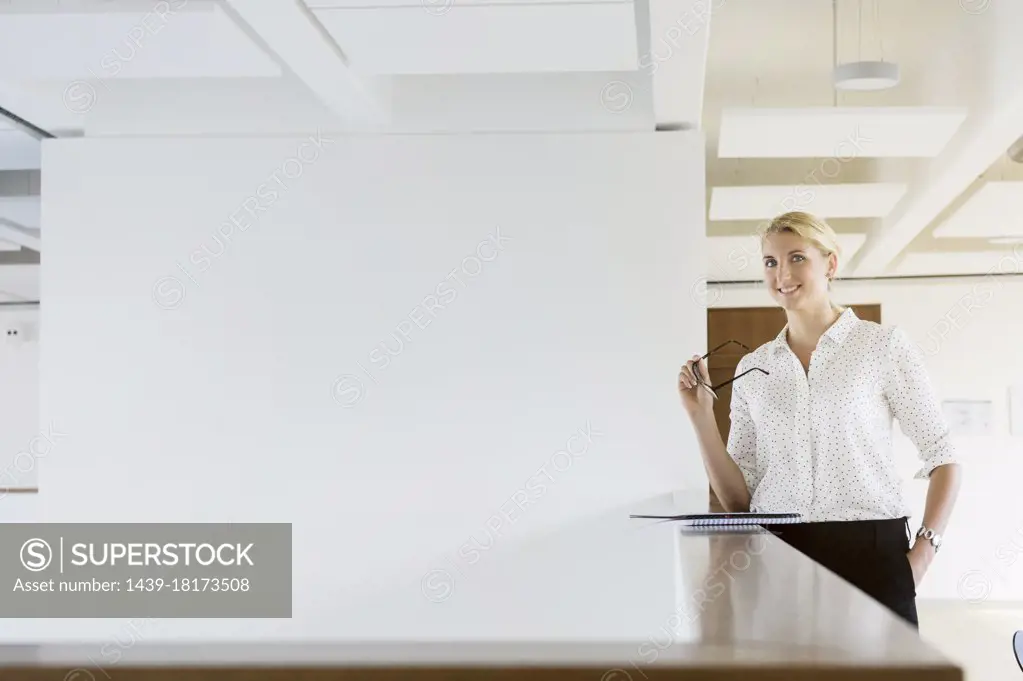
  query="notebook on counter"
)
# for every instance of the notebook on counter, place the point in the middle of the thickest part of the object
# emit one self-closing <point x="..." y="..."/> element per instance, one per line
<point x="723" y="529"/>
<point x="712" y="519"/>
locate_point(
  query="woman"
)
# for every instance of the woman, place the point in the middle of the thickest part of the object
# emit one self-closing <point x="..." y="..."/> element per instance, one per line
<point x="814" y="434"/>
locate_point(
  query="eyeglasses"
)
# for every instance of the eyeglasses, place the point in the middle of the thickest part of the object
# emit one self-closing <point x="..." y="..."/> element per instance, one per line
<point x="714" y="388"/>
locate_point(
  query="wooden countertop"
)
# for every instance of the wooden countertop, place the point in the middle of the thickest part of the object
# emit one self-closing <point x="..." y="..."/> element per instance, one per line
<point x="609" y="599"/>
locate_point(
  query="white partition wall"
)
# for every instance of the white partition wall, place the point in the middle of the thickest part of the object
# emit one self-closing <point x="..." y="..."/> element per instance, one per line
<point x="402" y="345"/>
<point x="24" y="441"/>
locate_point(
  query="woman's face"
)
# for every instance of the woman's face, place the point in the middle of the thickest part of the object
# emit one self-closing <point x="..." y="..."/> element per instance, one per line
<point x="795" y="271"/>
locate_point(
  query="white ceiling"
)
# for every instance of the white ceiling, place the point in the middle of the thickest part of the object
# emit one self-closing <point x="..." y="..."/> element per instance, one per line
<point x="893" y="169"/>
<point x="914" y="178"/>
<point x="480" y="37"/>
<point x="199" y="40"/>
<point x="995" y="210"/>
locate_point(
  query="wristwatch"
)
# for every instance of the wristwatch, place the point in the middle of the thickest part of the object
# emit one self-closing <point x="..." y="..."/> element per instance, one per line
<point x="931" y="536"/>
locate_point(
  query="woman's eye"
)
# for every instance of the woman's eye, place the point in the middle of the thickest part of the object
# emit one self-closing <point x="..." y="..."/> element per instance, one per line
<point x="798" y="258"/>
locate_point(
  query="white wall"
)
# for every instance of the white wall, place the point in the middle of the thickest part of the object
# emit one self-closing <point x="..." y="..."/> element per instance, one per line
<point x="976" y="636"/>
<point x="203" y="388"/>
<point x="23" y="442"/>
<point x="969" y="331"/>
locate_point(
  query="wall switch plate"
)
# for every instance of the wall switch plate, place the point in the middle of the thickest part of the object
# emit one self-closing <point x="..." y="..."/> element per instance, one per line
<point x="968" y="417"/>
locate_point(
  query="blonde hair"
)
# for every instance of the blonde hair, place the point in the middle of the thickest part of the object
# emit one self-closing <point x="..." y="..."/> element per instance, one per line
<point x="807" y="226"/>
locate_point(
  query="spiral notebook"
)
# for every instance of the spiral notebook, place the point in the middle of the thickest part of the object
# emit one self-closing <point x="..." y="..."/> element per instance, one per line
<point x="708" y="519"/>
<point x="710" y="530"/>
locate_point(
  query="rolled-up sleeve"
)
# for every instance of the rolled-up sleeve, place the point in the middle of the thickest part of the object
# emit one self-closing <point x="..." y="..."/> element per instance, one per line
<point x="915" y="404"/>
<point x="742" y="433"/>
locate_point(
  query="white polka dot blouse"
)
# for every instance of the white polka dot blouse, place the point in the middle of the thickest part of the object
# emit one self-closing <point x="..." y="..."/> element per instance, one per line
<point x="819" y="443"/>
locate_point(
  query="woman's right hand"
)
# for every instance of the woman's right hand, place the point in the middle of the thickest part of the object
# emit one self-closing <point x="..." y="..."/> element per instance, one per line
<point x="696" y="398"/>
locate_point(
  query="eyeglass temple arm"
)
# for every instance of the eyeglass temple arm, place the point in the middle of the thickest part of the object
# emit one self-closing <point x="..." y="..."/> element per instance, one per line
<point x="735" y="378"/>
<point x="727" y="342"/>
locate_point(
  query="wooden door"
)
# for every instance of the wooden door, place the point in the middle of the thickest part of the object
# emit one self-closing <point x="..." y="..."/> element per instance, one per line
<point x="751" y="326"/>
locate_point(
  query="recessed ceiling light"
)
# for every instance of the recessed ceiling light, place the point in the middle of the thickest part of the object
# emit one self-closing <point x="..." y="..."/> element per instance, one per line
<point x="842" y="132"/>
<point x="866" y="75"/>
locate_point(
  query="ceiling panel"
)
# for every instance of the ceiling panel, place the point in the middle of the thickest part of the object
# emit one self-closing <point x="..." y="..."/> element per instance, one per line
<point x="842" y="133"/>
<point x="188" y="39"/>
<point x="993" y="211"/>
<point x="24" y="210"/>
<point x="502" y="38"/>
<point x="738" y="258"/>
<point x="830" y="201"/>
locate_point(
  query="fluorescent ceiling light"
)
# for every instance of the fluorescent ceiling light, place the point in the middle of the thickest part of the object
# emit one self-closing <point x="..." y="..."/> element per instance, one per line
<point x="862" y="200"/>
<point x="837" y="133"/>
<point x="992" y="212"/>
<point x="738" y="258"/>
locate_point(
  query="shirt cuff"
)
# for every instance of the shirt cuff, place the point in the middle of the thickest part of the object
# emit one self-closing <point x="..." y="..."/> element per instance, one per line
<point x="932" y="463"/>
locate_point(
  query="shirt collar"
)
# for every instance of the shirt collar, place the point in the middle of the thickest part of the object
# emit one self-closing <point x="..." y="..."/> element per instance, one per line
<point x="837" y="332"/>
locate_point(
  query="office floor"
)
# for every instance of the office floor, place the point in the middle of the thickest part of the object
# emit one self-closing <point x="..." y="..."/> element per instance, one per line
<point x="978" y="639"/>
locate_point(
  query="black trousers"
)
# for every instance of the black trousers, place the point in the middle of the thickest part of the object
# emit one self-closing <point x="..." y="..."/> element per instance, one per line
<point x="869" y="554"/>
